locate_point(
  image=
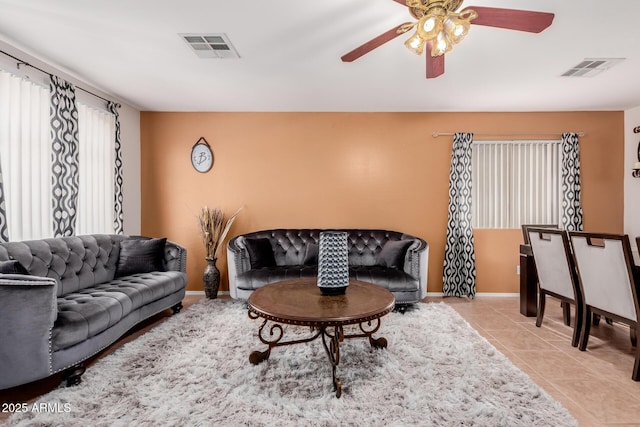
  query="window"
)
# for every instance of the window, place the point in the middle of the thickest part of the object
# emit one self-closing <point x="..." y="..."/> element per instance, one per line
<point x="515" y="183"/>
<point x="96" y="135"/>
<point x="25" y="158"/>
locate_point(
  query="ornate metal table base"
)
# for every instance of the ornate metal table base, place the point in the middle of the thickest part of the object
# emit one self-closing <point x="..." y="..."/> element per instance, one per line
<point x="299" y="302"/>
<point x="332" y="336"/>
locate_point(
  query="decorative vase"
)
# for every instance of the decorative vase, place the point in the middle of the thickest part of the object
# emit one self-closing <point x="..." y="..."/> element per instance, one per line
<point x="211" y="279"/>
<point x="333" y="263"/>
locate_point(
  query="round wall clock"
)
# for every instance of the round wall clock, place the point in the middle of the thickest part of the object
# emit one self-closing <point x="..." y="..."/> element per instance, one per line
<point x="202" y="156"/>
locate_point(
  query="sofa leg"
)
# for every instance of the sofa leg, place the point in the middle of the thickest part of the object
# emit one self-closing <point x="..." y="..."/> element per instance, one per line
<point x="176" y="308"/>
<point x="400" y="308"/>
<point x="73" y="375"/>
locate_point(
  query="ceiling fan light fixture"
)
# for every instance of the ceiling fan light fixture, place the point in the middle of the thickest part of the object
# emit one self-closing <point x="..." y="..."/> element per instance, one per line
<point x="415" y="44"/>
<point x="439" y="25"/>
<point x="441" y="45"/>
<point x="429" y="26"/>
<point x="457" y="27"/>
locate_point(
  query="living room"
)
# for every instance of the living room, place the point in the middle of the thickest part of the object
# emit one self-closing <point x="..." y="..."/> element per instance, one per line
<point x="295" y="164"/>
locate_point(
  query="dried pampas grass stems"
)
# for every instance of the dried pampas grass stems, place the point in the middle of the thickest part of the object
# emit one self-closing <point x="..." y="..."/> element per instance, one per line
<point x="214" y="230"/>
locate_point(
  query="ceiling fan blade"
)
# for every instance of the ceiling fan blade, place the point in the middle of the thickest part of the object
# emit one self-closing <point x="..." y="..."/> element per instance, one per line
<point x="371" y="44"/>
<point x="512" y="19"/>
<point x="435" y="64"/>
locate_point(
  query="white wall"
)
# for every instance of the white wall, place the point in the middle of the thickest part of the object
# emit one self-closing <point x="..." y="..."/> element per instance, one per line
<point x="130" y="136"/>
<point x="631" y="185"/>
<point x="129" y="125"/>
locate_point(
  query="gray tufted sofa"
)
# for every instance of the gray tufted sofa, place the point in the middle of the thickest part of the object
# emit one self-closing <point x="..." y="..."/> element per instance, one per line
<point x="67" y="304"/>
<point x="407" y="281"/>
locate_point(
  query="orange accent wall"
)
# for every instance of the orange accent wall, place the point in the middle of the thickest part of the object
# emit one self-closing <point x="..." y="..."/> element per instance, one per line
<point x="360" y="170"/>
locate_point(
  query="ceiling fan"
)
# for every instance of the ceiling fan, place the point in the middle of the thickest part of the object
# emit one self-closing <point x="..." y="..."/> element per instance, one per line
<point x="439" y="27"/>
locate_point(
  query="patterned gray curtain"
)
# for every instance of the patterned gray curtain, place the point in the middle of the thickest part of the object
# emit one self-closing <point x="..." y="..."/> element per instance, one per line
<point x="4" y="231"/>
<point x="459" y="277"/>
<point x="571" y="204"/>
<point x="118" y="223"/>
<point x="64" y="156"/>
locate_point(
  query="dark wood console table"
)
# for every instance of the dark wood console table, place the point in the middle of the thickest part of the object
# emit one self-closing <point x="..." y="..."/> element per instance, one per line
<point x="300" y="302"/>
<point x="528" y="282"/>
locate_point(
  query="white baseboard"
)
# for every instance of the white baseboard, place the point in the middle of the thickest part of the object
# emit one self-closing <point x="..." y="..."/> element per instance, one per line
<point x="498" y="294"/>
<point x="435" y="294"/>
<point x="479" y="294"/>
<point x="202" y="293"/>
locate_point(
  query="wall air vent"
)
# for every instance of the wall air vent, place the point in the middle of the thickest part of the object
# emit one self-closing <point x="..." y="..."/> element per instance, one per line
<point x="590" y="67"/>
<point x="210" y="45"/>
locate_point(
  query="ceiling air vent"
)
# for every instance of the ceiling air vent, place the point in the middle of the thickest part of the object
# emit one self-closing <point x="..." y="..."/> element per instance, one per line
<point x="210" y="45"/>
<point x="590" y="67"/>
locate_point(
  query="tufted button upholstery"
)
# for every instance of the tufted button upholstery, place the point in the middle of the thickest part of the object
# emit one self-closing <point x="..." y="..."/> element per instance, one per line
<point x="75" y="262"/>
<point x="66" y="305"/>
<point x="89" y="311"/>
<point x="289" y="247"/>
<point x="254" y="279"/>
<point x="89" y="299"/>
<point x="390" y="278"/>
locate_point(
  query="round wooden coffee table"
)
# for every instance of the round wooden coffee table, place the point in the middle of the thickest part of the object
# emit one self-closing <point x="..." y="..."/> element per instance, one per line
<point x="300" y="302"/>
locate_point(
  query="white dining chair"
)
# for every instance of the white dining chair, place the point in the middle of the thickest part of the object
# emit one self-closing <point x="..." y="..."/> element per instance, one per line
<point x="604" y="264"/>
<point x="556" y="273"/>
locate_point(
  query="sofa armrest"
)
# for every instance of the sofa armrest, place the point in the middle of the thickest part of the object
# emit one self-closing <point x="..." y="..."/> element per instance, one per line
<point x="29" y="309"/>
<point x="175" y="257"/>
<point x="416" y="263"/>
<point x="237" y="263"/>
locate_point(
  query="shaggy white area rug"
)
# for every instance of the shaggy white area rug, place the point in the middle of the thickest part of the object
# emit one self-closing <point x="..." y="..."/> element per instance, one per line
<point x="193" y="370"/>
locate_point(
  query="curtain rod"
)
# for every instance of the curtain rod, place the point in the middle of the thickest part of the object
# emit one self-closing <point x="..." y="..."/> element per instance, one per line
<point x="437" y="134"/>
<point x="21" y="62"/>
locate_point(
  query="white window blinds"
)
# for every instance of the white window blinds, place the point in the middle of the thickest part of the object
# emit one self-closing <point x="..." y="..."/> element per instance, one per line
<point x="515" y="183"/>
<point x="96" y="135"/>
<point x="25" y="158"/>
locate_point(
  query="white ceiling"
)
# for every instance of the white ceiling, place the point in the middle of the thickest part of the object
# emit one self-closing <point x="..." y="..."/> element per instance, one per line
<point x="290" y="55"/>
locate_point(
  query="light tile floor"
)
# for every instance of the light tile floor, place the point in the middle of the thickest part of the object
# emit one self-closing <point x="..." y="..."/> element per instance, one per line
<point x="595" y="385"/>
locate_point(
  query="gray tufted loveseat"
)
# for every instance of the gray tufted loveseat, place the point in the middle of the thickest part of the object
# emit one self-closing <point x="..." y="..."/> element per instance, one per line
<point x="407" y="280"/>
<point x="68" y="301"/>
